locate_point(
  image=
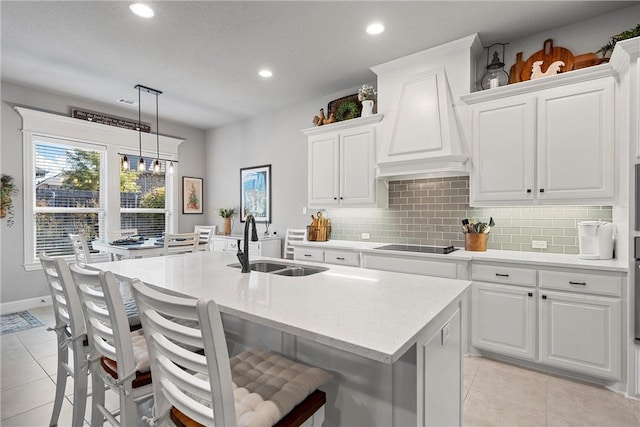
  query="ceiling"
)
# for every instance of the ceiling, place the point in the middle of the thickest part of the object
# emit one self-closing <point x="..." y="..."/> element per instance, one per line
<point x="205" y="55"/>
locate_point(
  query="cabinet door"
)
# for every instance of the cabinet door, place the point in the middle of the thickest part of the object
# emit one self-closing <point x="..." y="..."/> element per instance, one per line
<point x="324" y="173"/>
<point x="581" y="333"/>
<point x="576" y="142"/>
<point x="503" y="151"/>
<point x="503" y="319"/>
<point x="357" y="166"/>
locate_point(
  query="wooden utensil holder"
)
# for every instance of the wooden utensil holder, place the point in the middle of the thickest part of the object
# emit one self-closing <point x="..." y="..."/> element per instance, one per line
<point x="476" y="242"/>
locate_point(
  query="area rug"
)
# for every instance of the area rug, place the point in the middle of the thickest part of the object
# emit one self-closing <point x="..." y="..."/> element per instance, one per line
<point x="16" y="322"/>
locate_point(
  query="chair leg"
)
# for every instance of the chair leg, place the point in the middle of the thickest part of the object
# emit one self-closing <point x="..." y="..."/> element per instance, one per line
<point x="80" y="380"/>
<point x="128" y="409"/>
<point x="61" y="381"/>
<point x="97" y="399"/>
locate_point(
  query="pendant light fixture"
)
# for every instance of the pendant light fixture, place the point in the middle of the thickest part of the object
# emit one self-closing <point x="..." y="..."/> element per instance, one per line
<point x="156" y="164"/>
<point x="141" y="161"/>
<point x="125" y="163"/>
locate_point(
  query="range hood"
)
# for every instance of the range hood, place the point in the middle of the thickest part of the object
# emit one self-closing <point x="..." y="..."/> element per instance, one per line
<point x="421" y="134"/>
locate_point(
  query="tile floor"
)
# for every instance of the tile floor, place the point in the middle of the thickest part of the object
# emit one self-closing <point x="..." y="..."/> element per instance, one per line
<point x="496" y="394"/>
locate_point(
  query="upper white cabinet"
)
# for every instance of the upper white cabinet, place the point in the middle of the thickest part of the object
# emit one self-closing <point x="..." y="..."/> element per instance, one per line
<point x="547" y="145"/>
<point x="420" y="135"/>
<point x="341" y="165"/>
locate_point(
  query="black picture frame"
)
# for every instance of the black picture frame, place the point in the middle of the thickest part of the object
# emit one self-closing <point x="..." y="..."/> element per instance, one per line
<point x="192" y="195"/>
<point x="255" y="193"/>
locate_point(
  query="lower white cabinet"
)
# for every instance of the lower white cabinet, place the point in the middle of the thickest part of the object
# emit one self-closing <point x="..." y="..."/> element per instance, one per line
<point x="308" y="254"/>
<point x="415" y="265"/>
<point x="268" y="247"/>
<point x="565" y="318"/>
<point x="581" y="333"/>
<point x="503" y="319"/>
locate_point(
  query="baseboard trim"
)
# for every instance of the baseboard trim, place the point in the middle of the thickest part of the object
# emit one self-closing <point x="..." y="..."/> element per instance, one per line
<point x="25" y="304"/>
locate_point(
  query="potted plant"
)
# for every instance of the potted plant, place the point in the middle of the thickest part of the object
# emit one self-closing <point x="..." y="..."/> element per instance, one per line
<point x="366" y="95"/>
<point x="226" y="214"/>
<point x="7" y="191"/>
<point x="628" y="34"/>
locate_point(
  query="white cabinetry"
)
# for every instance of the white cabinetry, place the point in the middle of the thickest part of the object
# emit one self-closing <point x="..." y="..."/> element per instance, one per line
<point x="546" y="146"/>
<point x="577" y="316"/>
<point x="329" y="256"/>
<point x="341" y="164"/>
<point x="578" y="331"/>
<point x="271" y="247"/>
<point x="503" y="317"/>
<point x="415" y="265"/>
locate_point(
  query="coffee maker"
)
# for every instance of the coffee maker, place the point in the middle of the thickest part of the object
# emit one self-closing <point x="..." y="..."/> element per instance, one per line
<point x="595" y="239"/>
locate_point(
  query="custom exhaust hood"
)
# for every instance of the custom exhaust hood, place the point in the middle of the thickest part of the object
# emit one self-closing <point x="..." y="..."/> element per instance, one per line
<point x="421" y="134"/>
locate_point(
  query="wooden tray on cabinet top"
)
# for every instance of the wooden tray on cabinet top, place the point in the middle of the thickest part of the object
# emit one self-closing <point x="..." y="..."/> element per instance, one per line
<point x="548" y="55"/>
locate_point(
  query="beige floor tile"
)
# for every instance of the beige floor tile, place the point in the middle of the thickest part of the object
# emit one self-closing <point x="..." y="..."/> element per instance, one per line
<point x="40" y="416"/>
<point x="16" y="356"/>
<point x="9" y="342"/>
<point x="42" y="349"/>
<point x="471" y="365"/>
<point x="485" y="410"/>
<point x="512" y="385"/>
<point x="36" y="335"/>
<point x="17" y="374"/>
<point x="49" y="364"/>
<point x="574" y="403"/>
<point x="18" y="400"/>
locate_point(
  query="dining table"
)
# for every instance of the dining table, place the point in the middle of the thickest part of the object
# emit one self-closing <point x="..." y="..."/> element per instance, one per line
<point x="131" y="249"/>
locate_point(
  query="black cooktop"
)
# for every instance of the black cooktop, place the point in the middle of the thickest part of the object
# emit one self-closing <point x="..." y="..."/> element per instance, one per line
<point x="416" y="248"/>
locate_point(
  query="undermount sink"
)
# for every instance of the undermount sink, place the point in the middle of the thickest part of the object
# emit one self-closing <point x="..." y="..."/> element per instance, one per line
<point x="281" y="268"/>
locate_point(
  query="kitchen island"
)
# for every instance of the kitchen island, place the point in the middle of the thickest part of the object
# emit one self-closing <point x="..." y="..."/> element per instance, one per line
<point x="391" y="340"/>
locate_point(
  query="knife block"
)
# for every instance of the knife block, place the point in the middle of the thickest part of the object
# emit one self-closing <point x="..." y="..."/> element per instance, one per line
<point x="476" y="242"/>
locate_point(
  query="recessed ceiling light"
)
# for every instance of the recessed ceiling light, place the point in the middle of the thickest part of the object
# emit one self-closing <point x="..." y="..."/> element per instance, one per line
<point x="375" y="28"/>
<point x="142" y="10"/>
<point x="265" y="73"/>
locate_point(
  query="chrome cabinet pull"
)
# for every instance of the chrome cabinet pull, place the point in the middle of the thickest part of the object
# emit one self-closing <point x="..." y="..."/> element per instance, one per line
<point x="571" y="282"/>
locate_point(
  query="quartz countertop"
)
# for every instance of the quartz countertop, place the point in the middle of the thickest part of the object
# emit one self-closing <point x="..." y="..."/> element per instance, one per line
<point x="374" y="314"/>
<point x="240" y="236"/>
<point x="536" y="259"/>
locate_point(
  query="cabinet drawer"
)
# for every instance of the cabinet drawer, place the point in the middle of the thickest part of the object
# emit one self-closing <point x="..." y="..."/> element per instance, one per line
<point x="502" y="274"/>
<point x="308" y="254"/>
<point x="342" y="258"/>
<point x="590" y="283"/>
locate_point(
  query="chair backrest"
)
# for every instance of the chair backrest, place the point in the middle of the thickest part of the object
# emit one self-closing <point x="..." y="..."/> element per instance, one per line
<point x="177" y="371"/>
<point x="64" y="296"/>
<point x="293" y="235"/>
<point x="80" y="249"/>
<point x="180" y="243"/>
<point x="205" y="236"/>
<point x="106" y="320"/>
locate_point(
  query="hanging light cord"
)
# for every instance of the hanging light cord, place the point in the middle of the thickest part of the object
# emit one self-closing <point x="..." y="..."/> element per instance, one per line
<point x="139" y="124"/>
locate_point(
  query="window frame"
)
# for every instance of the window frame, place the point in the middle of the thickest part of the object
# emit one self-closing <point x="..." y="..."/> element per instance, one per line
<point x="38" y="125"/>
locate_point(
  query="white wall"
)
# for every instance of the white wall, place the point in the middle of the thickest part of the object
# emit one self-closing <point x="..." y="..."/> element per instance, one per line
<point x="15" y="282"/>
<point x="275" y="139"/>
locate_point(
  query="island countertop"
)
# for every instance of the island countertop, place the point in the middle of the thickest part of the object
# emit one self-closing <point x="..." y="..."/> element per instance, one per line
<point x="374" y="314"/>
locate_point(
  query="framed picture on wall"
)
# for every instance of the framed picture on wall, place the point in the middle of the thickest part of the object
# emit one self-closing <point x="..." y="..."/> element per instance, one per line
<point x="255" y="193"/>
<point x="191" y="195"/>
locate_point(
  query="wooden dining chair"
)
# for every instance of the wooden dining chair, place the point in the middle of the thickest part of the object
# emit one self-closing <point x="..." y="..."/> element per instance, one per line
<point x="71" y="335"/>
<point x="118" y="358"/>
<point x="191" y="389"/>
<point x="293" y="235"/>
<point x="205" y="236"/>
<point x="180" y="243"/>
<point x="82" y="253"/>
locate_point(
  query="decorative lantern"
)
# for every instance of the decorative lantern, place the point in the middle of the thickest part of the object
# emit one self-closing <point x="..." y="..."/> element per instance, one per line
<point x="495" y="75"/>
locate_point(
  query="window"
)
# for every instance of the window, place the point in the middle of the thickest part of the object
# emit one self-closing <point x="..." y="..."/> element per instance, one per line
<point x="142" y="200"/>
<point x="67" y="199"/>
<point x="73" y="182"/>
